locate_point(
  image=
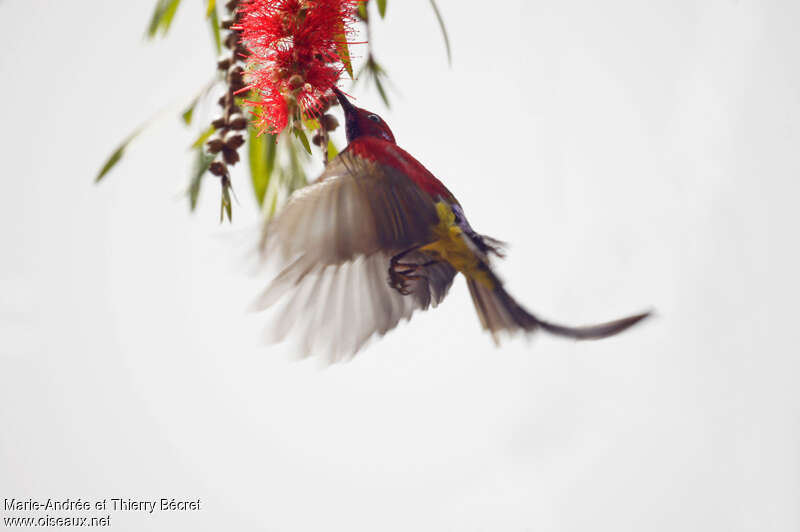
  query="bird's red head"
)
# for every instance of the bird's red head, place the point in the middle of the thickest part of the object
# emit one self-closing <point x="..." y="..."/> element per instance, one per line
<point x="362" y="123"/>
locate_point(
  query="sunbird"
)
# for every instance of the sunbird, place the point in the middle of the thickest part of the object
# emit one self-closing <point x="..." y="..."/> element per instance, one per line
<point x="375" y="238"/>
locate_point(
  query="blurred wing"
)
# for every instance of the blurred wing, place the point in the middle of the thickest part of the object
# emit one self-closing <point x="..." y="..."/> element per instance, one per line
<point x="332" y="243"/>
<point x="357" y="207"/>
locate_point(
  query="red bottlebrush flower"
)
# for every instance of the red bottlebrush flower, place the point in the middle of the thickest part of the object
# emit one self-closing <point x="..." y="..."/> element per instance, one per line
<point x="273" y="113"/>
<point x="294" y="59"/>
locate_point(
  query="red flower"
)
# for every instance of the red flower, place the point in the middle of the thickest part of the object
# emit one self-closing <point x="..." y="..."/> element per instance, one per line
<point x="294" y="59"/>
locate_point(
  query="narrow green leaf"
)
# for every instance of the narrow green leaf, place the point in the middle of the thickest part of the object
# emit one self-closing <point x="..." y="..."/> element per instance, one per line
<point x="301" y="136"/>
<point x="271" y="149"/>
<point x="155" y="19"/>
<point x="168" y="15"/>
<point x="342" y="48"/>
<point x="201" y="164"/>
<point x="229" y="207"/>
<point x="116" y="155"/>
<point x="295" y="177"/>
<point x="311" y="123"/>
<point x="362" y="10"/>
<point x="333" y="151"/>
<point x="212" y="6"/>
<point x="273" y="208"/>
<point x="261" y="152"/>
<point x="381" y="91"/>
<point x="187" y="114"/>
<point x="111" y="162"/>
<point x="213" y="20"/>
<point x="382" y="8"/>
<point x="444" y="32"/>
<point x="204" y="136"/>
<point x="162" y="17"/>
<point x="256" y="159"/>
<point x="225" y="206"/>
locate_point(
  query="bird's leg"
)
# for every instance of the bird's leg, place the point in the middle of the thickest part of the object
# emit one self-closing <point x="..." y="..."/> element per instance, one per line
<point x="400" y="273"/>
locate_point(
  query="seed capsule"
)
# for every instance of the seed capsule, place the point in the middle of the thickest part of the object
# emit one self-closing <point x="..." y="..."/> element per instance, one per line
<point x="231" y="156"/>
<point x="238" y="122"/>
<point x="218" y="168"/>
<point x="234" y="141"/>
<point x="214" y="145"/>
<point x="329" y="122"/>
<point x="231" y="40"/>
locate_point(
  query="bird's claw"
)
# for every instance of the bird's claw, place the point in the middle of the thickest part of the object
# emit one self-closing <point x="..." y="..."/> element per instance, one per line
<point x="400" y="275"/>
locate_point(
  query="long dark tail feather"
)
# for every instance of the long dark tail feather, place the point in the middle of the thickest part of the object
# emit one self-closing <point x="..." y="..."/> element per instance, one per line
<point x="594" y="332"/>
<point x="499" y="312"/>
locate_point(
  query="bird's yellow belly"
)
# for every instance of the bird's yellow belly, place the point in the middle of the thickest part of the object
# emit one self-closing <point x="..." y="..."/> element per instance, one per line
<point x="450" y="246"/>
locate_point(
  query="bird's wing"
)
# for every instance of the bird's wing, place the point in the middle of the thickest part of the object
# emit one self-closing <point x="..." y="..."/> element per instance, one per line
<point x="332" y="244"/>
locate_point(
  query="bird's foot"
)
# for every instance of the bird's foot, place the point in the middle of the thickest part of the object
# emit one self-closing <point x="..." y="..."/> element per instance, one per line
<point x="402" y="273"/>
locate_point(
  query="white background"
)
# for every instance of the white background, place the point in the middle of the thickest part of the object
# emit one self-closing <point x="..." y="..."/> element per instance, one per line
<point x="635" y="155"/>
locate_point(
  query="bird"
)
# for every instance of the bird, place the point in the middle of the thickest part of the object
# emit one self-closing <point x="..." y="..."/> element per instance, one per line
<point x="375" y="238"/>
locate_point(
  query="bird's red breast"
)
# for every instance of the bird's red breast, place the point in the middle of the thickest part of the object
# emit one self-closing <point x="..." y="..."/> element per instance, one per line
<point x="383" y="152"/>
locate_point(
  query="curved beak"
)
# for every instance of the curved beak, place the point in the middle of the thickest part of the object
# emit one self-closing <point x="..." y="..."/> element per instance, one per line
<point x="345" y="103"/>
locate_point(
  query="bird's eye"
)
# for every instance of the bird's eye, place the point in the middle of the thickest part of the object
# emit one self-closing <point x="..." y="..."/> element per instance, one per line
<point x="374" y="118"/>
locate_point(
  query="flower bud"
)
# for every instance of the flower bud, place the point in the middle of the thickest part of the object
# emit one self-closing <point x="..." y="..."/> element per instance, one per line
<point x="316" y="140"/>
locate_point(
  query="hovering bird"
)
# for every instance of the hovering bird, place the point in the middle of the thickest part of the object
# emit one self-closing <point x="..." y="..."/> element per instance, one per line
<point x="377" y="237"/>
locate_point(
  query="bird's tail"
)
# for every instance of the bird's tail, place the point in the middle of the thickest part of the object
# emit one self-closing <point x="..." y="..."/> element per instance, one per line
<point x="499" y="312"/>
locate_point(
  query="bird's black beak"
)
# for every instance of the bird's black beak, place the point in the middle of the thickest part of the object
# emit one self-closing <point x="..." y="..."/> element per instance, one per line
<point x="345" y="103"/>
<point x="350" y="114"/>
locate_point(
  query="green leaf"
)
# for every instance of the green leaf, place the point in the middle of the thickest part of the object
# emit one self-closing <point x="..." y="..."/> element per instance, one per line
<point x="381" y="91"/>
<point x="169" y="14"/>
<point x="332" y="150"/>
<point x="261" y="151"/>
<point x="213" y="20"/>
<point x="382" y="8"/>
<point x="111" y="162"/>
<point x="444" y="32"/>
<point x="204" y="136"/>
<point x="186" y="115"/>
<point x="374" y="72"/>
<point x="201" y="164"/>
<point x="155" y="19"/>
<point x="295" y="176"/>
<point x="117" y="154"/>
<point x="342" y="48"/>
<point x="311" y="124"/>
<point x="225" y="205"/>
<point x="301" y="136"/>
<point x="162" y="17"/>
<point x="362" y="10"/>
